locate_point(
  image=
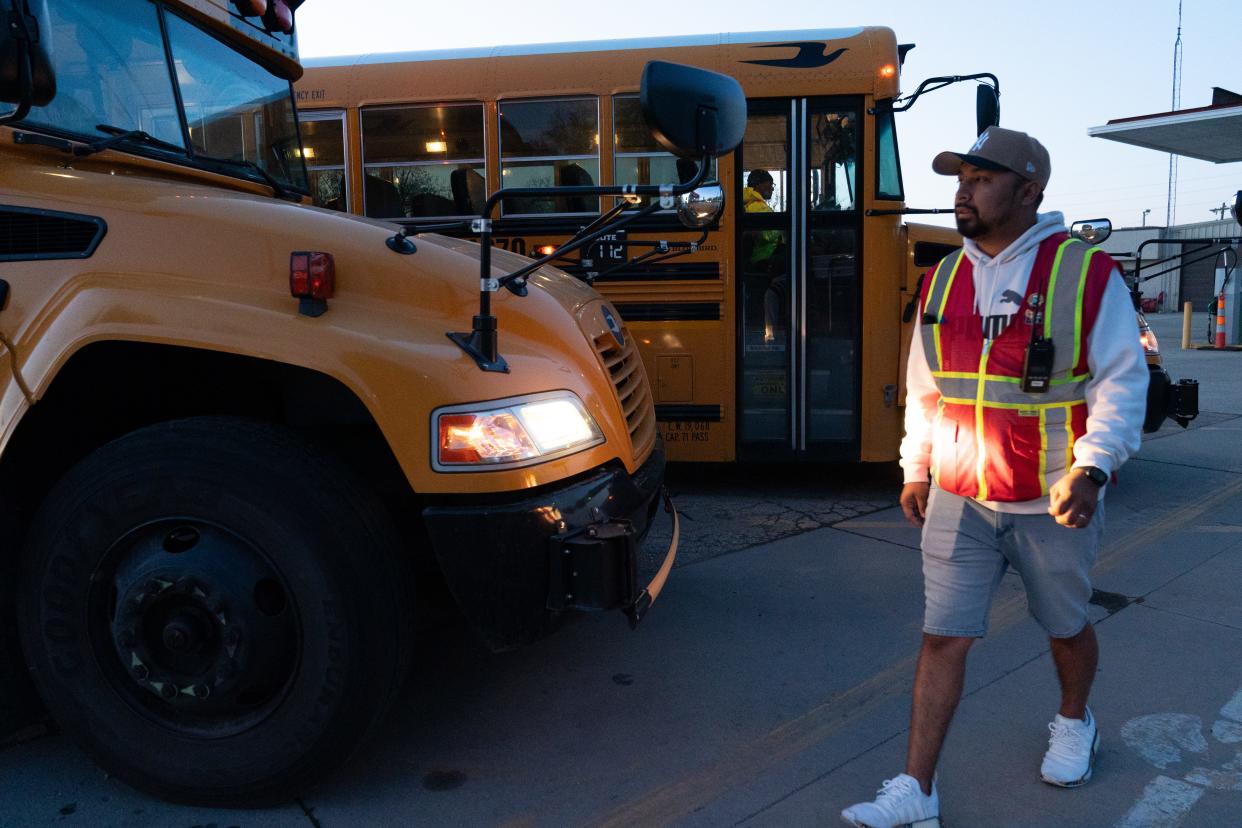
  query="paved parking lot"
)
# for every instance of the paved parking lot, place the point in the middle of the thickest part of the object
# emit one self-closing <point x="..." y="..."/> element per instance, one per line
<point x="770" y="683"/>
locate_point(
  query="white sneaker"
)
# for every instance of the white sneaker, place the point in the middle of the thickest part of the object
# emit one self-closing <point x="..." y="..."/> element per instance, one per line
<point x="901" y="802"/>
<point x="1071" y="751"/>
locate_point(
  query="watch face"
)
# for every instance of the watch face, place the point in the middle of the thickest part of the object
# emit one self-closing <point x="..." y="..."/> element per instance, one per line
<point x="1098" y="476"/>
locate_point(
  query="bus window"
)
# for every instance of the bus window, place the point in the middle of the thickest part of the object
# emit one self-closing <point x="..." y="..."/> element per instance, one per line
<point x="110" y="69"/>
<point x="234" y="109"/>
<point x="323" y="148"/>
<point x="888" y="163"/>
<point x="550" y="143"/>
<point x="423" y="160"/>
<point x="637" y="158"/>
<point x="834" y="148"/>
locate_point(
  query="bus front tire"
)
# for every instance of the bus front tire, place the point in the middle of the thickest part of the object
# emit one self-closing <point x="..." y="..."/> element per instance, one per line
<point x="215" y="611"/>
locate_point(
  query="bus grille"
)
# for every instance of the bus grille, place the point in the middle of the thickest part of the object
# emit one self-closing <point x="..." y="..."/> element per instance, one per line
<point x="625" y="367"/>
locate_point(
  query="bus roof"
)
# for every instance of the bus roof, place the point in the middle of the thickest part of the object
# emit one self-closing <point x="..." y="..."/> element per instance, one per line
<point x="844" y="61"/>
<point x="620" y="44"/>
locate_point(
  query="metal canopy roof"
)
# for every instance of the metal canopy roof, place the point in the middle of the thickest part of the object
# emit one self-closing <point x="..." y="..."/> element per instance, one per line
<point x="1209" y="133"/>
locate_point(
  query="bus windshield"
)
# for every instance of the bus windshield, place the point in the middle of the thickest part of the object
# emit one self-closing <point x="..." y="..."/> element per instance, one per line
<point x="216" y="104"/>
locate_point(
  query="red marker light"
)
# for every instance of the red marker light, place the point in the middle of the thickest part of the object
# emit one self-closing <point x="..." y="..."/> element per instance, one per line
<point x="279" y="17"/>
<point x="251" y="8"/>
<point x="312" y="275"/>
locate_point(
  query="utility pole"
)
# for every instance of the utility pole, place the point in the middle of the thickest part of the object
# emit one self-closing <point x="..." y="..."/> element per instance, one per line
<point x="1146" y="210"/>
<point x="1171" y="208"/>
<point x="1219" y="211"/>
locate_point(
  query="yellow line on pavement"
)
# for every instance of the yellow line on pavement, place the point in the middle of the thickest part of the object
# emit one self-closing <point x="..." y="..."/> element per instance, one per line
<point x="680" y="798"/>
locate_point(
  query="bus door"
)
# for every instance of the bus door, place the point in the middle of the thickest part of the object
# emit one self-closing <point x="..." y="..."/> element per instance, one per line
<point x="798" y="298"/>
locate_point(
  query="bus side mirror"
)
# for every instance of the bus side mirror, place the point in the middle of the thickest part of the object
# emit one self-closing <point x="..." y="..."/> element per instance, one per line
<point x="692" y="112"/>
<point x="26" y="75"/>
<point x="1236" y="209"/>
<point x="1092" y="231"/>
<point x="987" y="108"/>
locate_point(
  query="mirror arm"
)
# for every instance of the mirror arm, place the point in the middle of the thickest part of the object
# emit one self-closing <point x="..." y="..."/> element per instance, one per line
<point x="705" y="163"/>
<point x="481" y="342"/>
<point x="661" y="251"/>
<point x="600" y="221"/>
<point x="654" y="190"/>
<point x="1197" y="254"/>
<point x="675" y="245"/>
<point x="400" y="242"/>
<point x="516" y="278"/>
<point x="926" y="86"/>
<point x="909" y="211"/>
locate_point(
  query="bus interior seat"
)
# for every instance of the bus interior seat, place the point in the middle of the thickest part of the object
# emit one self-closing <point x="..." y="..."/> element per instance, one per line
<point x="574" y="175"/>
<point x="469" y="191"/>
<point x="382" y="198"/>
<point x="431" y="204"/>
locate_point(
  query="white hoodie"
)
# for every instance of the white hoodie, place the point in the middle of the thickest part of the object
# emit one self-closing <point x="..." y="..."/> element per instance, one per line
<point x="1116" y="392"/>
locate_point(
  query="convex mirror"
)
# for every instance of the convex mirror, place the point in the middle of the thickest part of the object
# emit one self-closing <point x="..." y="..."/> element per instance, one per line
<point x="1092" y="231"/>
<point x="701" y="206"/>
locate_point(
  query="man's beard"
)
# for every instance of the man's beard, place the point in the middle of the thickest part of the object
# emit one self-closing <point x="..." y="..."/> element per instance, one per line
<point x="971" y="226"/>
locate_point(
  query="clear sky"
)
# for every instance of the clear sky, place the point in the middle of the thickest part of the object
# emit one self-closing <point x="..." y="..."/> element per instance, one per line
<point x="1063" y="66"/>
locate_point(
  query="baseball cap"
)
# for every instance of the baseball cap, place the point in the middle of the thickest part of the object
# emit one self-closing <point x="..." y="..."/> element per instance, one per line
<point x="1000" y="149"/>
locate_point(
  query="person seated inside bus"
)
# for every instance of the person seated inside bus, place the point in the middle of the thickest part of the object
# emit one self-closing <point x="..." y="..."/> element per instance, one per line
<point x="764" y="255"/>
<point x="382" y="199"/>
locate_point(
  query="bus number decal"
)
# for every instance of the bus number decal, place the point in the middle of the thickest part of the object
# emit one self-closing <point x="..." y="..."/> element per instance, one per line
<point x="514" y="245"/>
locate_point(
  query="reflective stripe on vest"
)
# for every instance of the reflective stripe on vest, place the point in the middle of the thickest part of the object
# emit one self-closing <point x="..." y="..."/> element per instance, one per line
<point x="991" y="439"/>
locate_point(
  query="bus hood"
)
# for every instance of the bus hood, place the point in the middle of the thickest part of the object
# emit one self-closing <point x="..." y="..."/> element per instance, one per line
<point x="169" y="231"/>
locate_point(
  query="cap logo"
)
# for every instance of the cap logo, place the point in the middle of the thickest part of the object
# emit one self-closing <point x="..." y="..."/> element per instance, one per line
<point x="983" y="139"/>
<point x="1030" y="167"/>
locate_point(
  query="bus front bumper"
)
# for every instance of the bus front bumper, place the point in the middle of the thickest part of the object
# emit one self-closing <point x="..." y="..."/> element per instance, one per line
<point x="515" y="564"/>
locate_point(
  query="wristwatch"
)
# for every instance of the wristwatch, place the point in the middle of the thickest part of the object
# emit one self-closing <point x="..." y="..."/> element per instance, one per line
<point x="1096" y="475"/>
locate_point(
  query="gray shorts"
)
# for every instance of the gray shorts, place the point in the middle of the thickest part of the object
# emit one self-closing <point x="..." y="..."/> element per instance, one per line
<point x="968" y="547"/>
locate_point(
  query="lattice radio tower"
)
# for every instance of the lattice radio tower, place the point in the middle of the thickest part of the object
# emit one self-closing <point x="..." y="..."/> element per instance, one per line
<point x="1171" y="209"/>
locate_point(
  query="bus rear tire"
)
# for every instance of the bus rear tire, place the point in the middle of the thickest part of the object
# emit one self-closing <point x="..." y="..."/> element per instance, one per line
<point x="215" y="611"/>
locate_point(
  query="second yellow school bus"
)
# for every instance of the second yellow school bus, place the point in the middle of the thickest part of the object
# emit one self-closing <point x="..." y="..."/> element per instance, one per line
<point x="778" y="334"/>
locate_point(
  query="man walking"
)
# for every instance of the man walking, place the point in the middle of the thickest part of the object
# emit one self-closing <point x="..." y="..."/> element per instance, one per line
<point x="1026" y="389"/>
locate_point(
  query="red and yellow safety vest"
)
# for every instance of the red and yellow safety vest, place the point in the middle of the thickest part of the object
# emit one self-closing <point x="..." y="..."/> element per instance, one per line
<point x="992" y="440"/>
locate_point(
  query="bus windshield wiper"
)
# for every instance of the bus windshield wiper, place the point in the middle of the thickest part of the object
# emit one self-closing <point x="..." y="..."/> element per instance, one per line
<point x="281" y="191"/>
<point x="121" y="136"/>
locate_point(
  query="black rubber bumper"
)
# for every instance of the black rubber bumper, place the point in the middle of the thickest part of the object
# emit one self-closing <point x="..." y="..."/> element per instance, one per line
<point x="1178" y="401"/>
<point x="514" y="564"/>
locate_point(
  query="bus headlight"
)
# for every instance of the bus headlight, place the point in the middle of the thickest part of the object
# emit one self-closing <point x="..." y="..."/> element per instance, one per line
<point x="1151" y="346"/>
<point x="513" y="432"/>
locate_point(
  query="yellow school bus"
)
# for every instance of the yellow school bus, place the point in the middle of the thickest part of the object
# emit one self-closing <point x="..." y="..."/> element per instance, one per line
<point x="776" y="334"/>
<point x="237" y="430"/>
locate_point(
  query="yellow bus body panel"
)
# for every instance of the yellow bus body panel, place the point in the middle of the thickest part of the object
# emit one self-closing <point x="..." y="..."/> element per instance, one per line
<point x="190" y="263"/>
